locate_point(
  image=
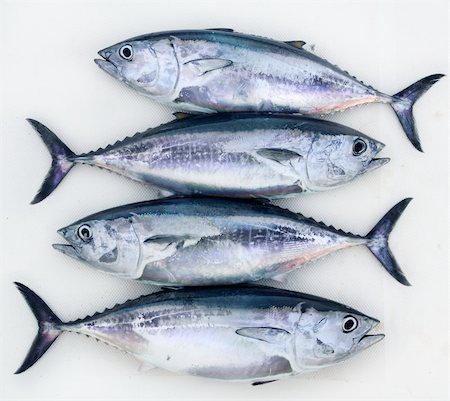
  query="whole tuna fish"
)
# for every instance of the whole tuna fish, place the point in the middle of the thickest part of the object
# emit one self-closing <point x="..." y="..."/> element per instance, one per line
<point x="220" y="70"/>
<point x="256" y="334"/>
<point x="207" y="241"/>
<point x="236" y="155"/>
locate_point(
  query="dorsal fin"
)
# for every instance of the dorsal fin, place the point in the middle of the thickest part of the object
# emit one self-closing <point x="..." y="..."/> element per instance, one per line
<point x="112" y="308"/>
<point x="330" y="227"/>
<point x="155" y="130"/>
<point x="296" y="43"/>
<point x="221" y="29"/>
<point x="319" y="223"/>
<point x="127" y="303"/>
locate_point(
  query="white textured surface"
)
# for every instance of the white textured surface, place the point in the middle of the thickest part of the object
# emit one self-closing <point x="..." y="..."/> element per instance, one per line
<point x="47" y="73"/>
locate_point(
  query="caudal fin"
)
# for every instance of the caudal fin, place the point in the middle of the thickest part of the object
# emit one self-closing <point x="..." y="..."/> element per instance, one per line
<point x="62" y="160"/>
<point x="49" y="327"/>
<point x="378" y="241"/>
<point x="403" y="103"/>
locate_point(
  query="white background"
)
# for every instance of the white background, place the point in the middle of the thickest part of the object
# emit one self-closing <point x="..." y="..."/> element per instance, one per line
<point x="47" y="73"/>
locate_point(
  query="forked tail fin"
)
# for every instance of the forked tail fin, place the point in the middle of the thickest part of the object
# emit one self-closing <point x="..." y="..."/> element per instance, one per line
<point x="403" y="103"/>
<point x="378" y="241"/>
<point x="49" y="327"/>
<point x="62" y="160"/>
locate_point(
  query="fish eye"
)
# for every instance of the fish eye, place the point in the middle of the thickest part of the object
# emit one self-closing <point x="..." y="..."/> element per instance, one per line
<point x="126" y="52"/>
<point x="85" y="232"/>
<point x="359" y="147"/>
<point x="349" y="324"/>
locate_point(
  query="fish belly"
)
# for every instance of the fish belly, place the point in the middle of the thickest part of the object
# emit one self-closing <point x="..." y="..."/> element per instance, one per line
<point x="217" y="352"/>
<point x="198" y="340"/>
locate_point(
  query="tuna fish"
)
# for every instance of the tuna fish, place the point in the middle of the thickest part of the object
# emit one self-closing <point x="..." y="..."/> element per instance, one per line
<point x="234" y="155"/>
<point x="255" y="334"/>
<point x="212" y="241"/>
<point x="220" y="70"/>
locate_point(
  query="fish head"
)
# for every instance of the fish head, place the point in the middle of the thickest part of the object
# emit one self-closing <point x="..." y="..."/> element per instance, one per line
<point x="108" y="245"/>
<point x="334" y="160"/>
<point x="148" y="66"/>
<point x="324" y="337"/>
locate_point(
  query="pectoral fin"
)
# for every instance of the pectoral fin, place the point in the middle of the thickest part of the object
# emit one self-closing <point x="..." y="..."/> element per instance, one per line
<point x="203" y="66"/>
<point x="164" y="241"/>
<point x="278" y="155"/>
<point x="270" y="335"/>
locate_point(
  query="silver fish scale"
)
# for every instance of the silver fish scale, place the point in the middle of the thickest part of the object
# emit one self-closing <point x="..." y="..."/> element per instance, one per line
<point x="225" y="160"/>
<point x="241" y="155"/>
<point x="229" y="333"/>
<point x="253" y="247"/>
<point x="210" y="71"/>
<point x="241" y="333"/>
<point x="190" y="241"/>
<point x="263" y="79"/>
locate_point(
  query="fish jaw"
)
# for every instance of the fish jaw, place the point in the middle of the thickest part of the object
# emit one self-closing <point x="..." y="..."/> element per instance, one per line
<point x="376" y="163"/>
<point x="367" y="340"/>
<point x="107" y="65"/>
<point x="68" y="250"/>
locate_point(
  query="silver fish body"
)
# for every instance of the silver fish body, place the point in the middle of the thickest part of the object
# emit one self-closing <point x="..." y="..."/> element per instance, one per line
<point x="256" y="334"/>
<point x="213" y="70"/>
<point x="212" y="241"/>
<point x="235" y="155"/>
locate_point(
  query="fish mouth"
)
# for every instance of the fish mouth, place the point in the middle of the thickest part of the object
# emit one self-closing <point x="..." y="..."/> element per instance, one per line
<point x="377" y="162"/>
<point x="67" y="249"/>
<point x="367" y="340"/>
<point x="107" y="65"/>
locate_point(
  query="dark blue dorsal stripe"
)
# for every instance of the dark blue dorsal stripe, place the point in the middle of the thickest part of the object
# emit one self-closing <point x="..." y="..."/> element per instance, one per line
<point x="254" y="296"/>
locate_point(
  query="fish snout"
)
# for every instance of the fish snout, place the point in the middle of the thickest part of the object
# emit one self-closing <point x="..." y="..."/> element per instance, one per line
<point x="62" y="232"/>
<point x="105" y="53"/>
<point x="375" y="162"/>
<point x="106" y="65"/>
<point x="368" y="339"/>
<point x="379" y="147"/>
